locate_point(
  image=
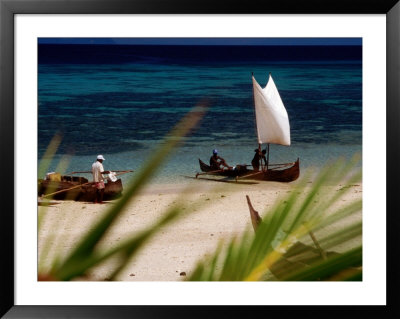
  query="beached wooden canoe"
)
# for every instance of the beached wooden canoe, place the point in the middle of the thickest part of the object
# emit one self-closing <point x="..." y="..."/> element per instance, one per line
<point x="280" y="173"/>
<point x="77" y="188"/>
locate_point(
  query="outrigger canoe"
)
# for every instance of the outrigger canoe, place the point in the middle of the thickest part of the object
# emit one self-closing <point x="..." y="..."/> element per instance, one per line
<point x="280" y="173"/>
<point x="272" y="127"/>
<point x="77" y="188"/>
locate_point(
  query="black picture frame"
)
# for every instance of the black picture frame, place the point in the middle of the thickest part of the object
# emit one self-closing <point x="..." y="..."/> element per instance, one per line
<point x="9" y="8"/>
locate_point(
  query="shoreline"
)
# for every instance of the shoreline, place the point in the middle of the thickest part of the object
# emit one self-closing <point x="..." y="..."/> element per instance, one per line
<point x="175" y="250"/>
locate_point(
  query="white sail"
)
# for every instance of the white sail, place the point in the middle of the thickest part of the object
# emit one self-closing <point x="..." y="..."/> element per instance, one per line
<point x="271" y="117"/>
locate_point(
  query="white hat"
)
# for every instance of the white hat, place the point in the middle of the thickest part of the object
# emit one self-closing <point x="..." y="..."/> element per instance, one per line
<point x="100" y="157"/>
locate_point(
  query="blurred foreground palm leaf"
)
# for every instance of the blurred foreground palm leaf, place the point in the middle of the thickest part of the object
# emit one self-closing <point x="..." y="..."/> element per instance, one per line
<point x="297" y="238"/>
<point x="86" y="255"/>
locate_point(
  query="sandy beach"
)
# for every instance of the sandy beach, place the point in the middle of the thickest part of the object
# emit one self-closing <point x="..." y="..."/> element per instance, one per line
<point x="258" y="94"/>
<point x="221" y="212"/>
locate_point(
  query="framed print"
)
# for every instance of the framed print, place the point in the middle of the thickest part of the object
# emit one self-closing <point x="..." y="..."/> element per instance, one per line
<point x="94" y="70"/>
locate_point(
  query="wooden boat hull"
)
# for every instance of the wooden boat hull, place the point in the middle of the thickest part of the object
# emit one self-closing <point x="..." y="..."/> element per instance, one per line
<point x="285" y="174"/>
<point x="79" y="193"/>
<point x="240" y="170"/>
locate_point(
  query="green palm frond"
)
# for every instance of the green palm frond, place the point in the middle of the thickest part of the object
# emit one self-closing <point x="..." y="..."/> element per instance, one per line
<point x="292" y="240"/>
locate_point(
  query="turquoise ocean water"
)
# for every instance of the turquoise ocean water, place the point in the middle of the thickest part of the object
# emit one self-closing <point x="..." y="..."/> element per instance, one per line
<point x="120" y="101"/>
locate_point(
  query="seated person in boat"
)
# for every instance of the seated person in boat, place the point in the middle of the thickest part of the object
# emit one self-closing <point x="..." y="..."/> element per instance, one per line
<point x="257" y="157"/>
<point x="216" y="161"/>
<point x="98" y="179"/>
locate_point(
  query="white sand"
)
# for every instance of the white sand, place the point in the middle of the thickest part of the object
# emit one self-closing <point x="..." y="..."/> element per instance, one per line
<point x="177" y="247"/>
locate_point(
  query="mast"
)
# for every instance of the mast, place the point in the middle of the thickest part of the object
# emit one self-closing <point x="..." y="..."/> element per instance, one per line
<point x="268" y="143"/>
<point x="255" y="123"/>
<point x="254" y="106"/>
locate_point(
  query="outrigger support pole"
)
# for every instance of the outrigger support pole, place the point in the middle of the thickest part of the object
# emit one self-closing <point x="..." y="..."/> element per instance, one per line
<point x="267" y="156"/>
<point x="84" y="172"/>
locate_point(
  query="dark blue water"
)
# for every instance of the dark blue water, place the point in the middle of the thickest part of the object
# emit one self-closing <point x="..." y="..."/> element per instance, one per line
<point x="120" y="101"/>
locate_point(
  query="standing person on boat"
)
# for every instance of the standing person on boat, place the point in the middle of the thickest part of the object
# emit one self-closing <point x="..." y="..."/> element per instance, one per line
<point x="98" y="179"/>
<point x="257" y="157"/>
<point x="216" y="161"/>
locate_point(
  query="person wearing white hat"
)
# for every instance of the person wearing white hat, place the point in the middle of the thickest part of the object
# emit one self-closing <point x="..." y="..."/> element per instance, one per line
<point x="98" y="179"/>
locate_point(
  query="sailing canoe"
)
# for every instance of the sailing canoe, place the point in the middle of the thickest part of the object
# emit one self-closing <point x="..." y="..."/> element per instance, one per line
<point x="283" y="173"/>
<point x="77" y="188"/>
<point x="272" y="127"/>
